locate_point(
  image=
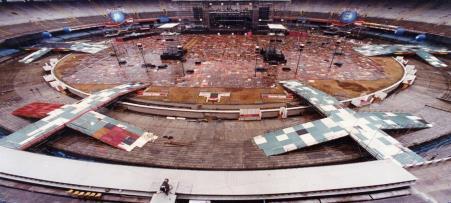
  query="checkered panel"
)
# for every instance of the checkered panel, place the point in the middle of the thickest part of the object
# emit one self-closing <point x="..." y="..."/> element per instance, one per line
<point x="323" y="102"/>
<point x="35" y="55"/>
<point x="87" y="48"/>
<point x="58" y="118"/>
<point x="376" y="50"/>
<point x="363" y="128"/>
<point x="108" y="130"/>
<point x="392" y="121"/>
<point x="383" y="146"/>
<point x="32" y="132"/>
<point x="432" y="60"/>
<point x="299" y="136"/>
<point x="422" y="51"/>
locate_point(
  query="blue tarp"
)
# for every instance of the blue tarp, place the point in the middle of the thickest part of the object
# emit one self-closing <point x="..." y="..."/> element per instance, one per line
<point x="434" y="144"/>
<point x="74" y="35"/>
<point x="390" y="36"/>
<point x="3" y="132"/>
<point x="52" y="40"/>
<point x="164" y="19"/>
<point x="8" y="52"/>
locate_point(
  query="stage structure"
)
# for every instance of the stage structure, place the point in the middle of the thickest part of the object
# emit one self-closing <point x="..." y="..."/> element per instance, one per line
<point x="234" y="16"/>
<point x="230" y="20"/>
<point x="173" y="48"/>
<point x="272" y="54"/>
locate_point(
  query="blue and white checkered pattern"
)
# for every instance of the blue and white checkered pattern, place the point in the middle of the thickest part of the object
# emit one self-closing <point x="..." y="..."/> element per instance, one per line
<point x="434" y="61"/>
<point x="365" y="128"/>
<point x="423" y="52"/>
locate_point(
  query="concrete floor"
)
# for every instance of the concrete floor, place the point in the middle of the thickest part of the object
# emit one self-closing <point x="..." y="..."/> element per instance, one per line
<point x="434" y="182"/>
<point x="12" y="195"/>
<point x="433" y="185"/>
<point x="22" y="84"/>
<point x="209" y="145"/>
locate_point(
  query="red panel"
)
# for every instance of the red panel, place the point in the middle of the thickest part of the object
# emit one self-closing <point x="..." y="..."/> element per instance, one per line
<point x="36" y="110"/>
<point x="140" y="92"/>
<point x="116" y="136"/>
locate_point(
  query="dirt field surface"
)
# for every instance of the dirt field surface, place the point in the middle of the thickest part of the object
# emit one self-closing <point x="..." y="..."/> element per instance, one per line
<point x="227" y="67"/>
<point x="354" y="88"/>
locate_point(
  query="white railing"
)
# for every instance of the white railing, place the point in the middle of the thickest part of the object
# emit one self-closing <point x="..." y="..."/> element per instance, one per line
<point x="385" y="90"/>
<point x="208" y="111"/>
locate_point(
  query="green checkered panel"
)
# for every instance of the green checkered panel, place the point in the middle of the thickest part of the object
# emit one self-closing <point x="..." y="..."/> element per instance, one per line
<point x="299" y="136"/>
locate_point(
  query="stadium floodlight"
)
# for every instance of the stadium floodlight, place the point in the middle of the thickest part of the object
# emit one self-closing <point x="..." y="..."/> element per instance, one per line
<point x="117" y="16"/>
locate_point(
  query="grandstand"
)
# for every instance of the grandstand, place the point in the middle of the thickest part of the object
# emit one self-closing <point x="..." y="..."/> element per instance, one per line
<point x="211" y="101"/>
<point x="35" y="17"/>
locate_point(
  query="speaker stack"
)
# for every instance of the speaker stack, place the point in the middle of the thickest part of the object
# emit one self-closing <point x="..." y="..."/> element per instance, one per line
<point x="263" y="13"/>
<point x="198" y="13"/>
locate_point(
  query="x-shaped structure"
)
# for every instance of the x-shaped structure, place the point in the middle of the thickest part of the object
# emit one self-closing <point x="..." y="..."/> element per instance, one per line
<point x="364" y="127"/>
<point x="82" y="117"/>
<point x="423" y="52"/>
<point x="42" y="50"/>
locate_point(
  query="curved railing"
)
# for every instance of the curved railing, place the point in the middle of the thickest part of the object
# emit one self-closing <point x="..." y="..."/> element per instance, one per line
<point x="387" y="89"/>
<point x="225" y="114"/>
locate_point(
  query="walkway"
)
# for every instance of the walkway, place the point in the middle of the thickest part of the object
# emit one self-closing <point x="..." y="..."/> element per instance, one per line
<point x="141" y="181"/>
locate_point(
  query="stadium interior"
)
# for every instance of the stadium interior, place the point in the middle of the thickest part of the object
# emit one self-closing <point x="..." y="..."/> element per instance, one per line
<point x="167" y="101"/>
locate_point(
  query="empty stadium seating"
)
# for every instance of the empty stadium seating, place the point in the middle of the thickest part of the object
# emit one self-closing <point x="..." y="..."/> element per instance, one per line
<point x="436" y="11"/>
